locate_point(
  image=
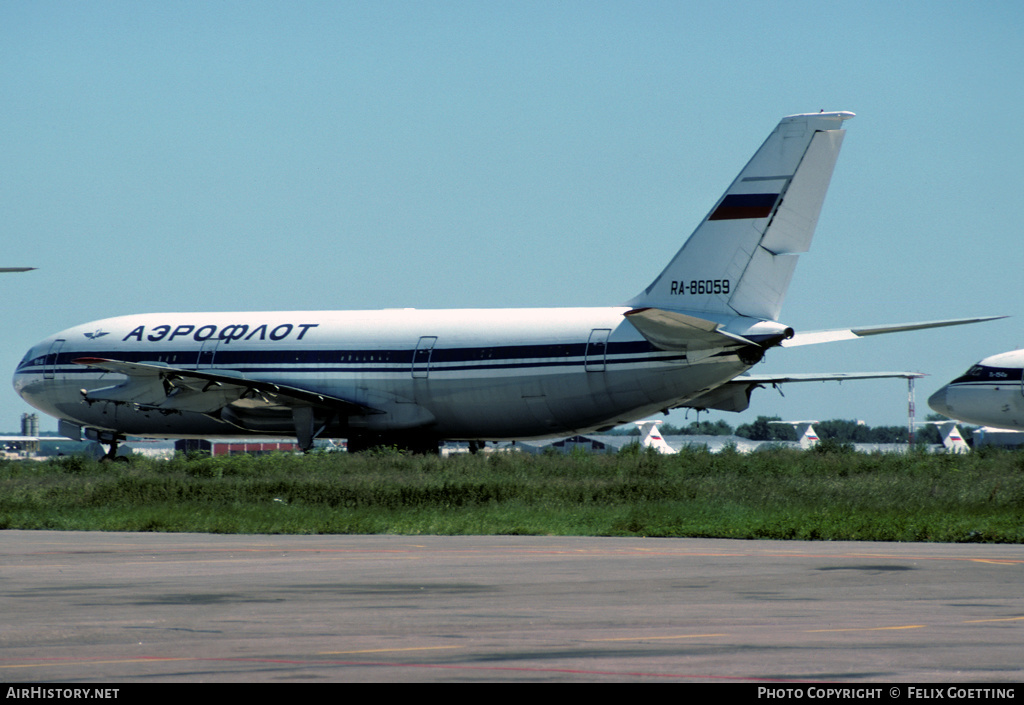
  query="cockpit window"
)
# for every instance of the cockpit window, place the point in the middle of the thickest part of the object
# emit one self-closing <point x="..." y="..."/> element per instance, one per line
<point x="35" y="356"/>
<point x="986" y="373"/>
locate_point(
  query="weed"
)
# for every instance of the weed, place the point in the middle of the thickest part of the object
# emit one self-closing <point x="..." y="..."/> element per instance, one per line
<point x="828" y="493"/>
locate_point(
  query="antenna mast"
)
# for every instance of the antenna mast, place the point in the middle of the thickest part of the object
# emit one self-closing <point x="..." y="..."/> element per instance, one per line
<point x="910" y="411"/>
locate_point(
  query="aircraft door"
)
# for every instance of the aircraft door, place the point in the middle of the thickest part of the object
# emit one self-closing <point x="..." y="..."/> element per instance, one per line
<point x="597" y="349"/>
<point x="50" y="367"/>
<point x="421" y="357"/>
<point x="207" y="353"/>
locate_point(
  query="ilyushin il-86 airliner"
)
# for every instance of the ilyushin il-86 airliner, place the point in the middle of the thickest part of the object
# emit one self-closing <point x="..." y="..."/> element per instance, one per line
<point x="415" y="377"/>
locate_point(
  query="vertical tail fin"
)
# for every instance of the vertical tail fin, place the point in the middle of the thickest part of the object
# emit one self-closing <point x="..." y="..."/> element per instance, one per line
<point x="805" y="432"/>
<point x="740" y="259"/>
<point x="952" y="439"/>
<point x="650" y="437"/>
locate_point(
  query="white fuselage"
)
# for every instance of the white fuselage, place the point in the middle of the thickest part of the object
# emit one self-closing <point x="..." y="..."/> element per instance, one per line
<point x="449" y="374"/>
<point x="416" y="376"/>
<point x="990" y="393"/>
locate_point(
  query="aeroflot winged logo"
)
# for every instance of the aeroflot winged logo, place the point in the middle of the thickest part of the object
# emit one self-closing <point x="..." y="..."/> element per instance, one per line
<point x="97" y="334"/>
<point x="238" y="331"/>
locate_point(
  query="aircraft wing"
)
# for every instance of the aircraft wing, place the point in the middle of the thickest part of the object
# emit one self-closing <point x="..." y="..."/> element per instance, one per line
<point x="734" y="395"/>
<point x="171" y="389"/>
<point x="821" y="377"/>
<point x="827" y="336"/>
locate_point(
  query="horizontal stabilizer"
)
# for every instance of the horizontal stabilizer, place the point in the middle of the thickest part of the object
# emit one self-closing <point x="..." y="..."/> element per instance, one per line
<point x="734" y="395"/>
<point x="823" y="377"/>
<point x="830" y="336"/>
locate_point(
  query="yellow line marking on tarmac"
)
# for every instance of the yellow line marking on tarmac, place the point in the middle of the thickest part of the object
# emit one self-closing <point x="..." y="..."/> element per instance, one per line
<point x="998" y="619"/>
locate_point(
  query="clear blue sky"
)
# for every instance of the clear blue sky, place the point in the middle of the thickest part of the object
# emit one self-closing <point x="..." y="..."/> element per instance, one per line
<point x="209" y="155"/>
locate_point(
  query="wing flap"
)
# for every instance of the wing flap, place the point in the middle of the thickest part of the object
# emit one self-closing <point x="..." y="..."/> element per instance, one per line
<point x="162" y="387"/>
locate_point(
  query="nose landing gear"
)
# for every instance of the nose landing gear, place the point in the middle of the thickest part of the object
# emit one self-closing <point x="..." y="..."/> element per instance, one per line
<point x="111" y="455"/>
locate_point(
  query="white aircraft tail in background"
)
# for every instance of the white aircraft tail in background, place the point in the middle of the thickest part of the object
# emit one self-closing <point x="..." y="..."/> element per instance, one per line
<point x="650" y="437"/>
<point x="952" y="439"/>
<point x="807" y="436"/>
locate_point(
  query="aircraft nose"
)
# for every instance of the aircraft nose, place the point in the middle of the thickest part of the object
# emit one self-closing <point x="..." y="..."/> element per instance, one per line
<point x="937" y="402"/>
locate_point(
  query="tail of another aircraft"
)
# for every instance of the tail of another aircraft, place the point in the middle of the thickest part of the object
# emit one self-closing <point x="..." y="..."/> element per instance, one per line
<point x="740" y="259"/>
<point x="650" y="437"/>
<point x="952" y="440"/>
<point x="805" y="432"/>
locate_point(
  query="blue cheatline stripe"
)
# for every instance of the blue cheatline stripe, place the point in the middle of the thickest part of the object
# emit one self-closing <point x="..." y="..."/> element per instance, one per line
<point x="442" y="359"/>
<point x="745" y="205"/>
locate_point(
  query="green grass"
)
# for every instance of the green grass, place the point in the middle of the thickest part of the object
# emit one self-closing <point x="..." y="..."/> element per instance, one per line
<point x="830" y="494"/>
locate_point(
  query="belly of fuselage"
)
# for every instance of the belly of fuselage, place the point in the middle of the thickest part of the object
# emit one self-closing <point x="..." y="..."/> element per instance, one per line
<point x="506" y="406"/>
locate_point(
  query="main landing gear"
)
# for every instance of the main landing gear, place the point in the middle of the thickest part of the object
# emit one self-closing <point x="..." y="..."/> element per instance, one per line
<point x="111" y="441"/>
